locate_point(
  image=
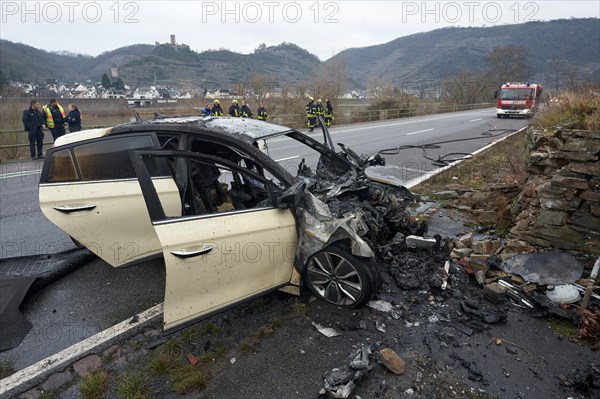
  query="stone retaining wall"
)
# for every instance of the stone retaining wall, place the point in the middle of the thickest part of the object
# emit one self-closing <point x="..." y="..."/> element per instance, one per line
<point x="559" y="205"/>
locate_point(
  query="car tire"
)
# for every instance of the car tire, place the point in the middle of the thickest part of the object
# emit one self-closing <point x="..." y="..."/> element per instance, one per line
<point x="338" y="277"/>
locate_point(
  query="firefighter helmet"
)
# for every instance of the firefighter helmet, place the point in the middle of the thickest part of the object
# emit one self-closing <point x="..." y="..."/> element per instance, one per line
<point x="234" y="101"/>
<point x="311" y="99"/>
<point x="216" y="102"/>
<point x="319" y="100"/>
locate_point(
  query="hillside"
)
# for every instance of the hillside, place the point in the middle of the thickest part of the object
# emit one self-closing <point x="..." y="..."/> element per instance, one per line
<point x="420" y="57"/>
<point x="433" y="55"/>
<point x="164" y="64"/>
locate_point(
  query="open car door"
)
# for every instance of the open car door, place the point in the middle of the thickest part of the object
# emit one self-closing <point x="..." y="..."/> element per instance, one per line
<point x="230" y="245"/>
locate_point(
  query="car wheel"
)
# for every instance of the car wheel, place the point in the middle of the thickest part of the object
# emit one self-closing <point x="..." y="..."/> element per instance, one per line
<point x="339" y="278"/>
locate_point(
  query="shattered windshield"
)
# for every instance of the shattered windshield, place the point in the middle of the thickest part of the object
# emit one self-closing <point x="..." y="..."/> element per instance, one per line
<point x="300" y="160"/>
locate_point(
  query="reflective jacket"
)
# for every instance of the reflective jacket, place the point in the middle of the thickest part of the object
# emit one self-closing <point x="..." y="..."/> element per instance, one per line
<point x="245" y="110"/>
<point x="50" y="116"/>
<point x="261" y="114"/>
<point x="234" y="110"/>
<point x="217" y="110"/>
<point x="310" y="109"/>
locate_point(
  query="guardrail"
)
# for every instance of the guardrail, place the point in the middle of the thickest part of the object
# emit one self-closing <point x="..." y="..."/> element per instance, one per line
<point x="14" y="143"/>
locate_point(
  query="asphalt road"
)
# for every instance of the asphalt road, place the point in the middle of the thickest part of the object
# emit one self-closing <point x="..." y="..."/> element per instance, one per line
<point x="97" y="296"/>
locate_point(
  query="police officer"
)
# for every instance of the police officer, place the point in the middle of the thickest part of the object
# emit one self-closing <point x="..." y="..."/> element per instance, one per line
<point x="245" y="110"/>
<point x="216" y="109"/>
<point x="55" y="118"/>
<point x="261" y="113"/>
<point x="33" y="120"/>
<point x="234" y="109"/>
<point x="311" y="116"/>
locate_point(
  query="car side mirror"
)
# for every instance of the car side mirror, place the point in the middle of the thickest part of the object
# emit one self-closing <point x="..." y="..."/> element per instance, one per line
<point x="292" y="196"/>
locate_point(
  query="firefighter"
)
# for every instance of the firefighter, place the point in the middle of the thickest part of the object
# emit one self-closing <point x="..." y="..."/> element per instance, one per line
<point x="319" y="108"/>
<point x="311" y="116"/>
<point x="328" y="114"/>
<point x="245" y="110"/>
<point x="234" y="109"/>
<point x="216" y="109"/>
<point x="261" y="113"/>
<point x="55" y="118"/>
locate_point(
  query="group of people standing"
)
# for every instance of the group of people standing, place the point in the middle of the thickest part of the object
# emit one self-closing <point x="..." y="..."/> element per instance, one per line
<point x="235" y="110"/>
<point x="314" y="110"/>
<point x="51" y="116"/>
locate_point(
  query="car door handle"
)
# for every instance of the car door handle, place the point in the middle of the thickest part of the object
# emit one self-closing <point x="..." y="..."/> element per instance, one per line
<point x="190" y="254"/>
<point x="71" y="209"/>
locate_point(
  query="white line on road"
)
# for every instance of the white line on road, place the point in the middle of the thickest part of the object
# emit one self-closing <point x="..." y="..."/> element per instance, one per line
<point x="287" y="159"/>
<point x="19" y="174"/>
<point x="420" y="131"/>
<point x="403" y="123"/>
<point x="475" y="120"/>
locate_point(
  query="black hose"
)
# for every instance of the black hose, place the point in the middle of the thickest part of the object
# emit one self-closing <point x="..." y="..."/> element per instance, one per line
<point x="442" y="160"/>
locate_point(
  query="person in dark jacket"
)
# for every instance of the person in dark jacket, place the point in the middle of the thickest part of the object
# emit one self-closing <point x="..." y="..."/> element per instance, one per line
<point x="74" y="118"/>
<point x="234" y="110"/>
<point x="33" y="120"/>
<point x="311" y="114"/>
<point x="245" y="110"/>
<point x="55" y="118"/>
<point x="328" y="114"/>
<point x="216" y="109"/>
<point x="261" y="113"/>
<point x="207" y="111"/>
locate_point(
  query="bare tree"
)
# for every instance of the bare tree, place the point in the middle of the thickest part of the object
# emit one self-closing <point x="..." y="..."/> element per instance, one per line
<point x="559" y="70"/>
<point x="466" y="87"/>
<point x="507" y="64"/>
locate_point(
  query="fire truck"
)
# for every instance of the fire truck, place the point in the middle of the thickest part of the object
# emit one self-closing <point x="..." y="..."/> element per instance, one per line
<point x="518" y="99"/>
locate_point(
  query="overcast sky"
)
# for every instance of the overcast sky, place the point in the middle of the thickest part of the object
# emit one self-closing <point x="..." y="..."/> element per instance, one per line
<point x="322" y="27"/>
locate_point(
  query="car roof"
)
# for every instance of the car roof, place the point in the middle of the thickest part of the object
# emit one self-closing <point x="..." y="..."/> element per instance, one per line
<point x="246" y="129"/>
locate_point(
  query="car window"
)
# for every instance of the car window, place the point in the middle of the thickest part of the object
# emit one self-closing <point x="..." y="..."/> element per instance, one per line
<point x="109" y="159"/>
<point x="208" y="185"/>
<point x="62" y="167"/>
<point x="217" y="188"/>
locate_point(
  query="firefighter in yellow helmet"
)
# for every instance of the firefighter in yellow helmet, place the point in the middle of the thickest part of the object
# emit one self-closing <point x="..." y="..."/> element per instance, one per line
<point x="216" y="109"/>
<point x="234" y="110"/>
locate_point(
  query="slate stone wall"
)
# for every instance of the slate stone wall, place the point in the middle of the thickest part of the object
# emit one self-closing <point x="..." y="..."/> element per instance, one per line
<point x="559" y="205"/>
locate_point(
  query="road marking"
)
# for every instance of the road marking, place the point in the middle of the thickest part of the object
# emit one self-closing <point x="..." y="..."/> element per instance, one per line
<point x="19" y="174"/>
<point x="475" y="120"/>
<point x="36" y="373"/>
<point x="335" y="131"/>
<point x="420" y="131"/>
<point x="287" y="159"/>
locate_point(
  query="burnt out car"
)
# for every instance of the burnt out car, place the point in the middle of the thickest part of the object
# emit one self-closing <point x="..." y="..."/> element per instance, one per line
<point x="237" y="208"/>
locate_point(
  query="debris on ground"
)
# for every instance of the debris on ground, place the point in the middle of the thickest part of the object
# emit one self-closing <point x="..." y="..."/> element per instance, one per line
<point x="339" y="382"/>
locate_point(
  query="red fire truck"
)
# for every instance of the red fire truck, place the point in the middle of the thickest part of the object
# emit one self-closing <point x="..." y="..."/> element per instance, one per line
<point x="518" y="99"/>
